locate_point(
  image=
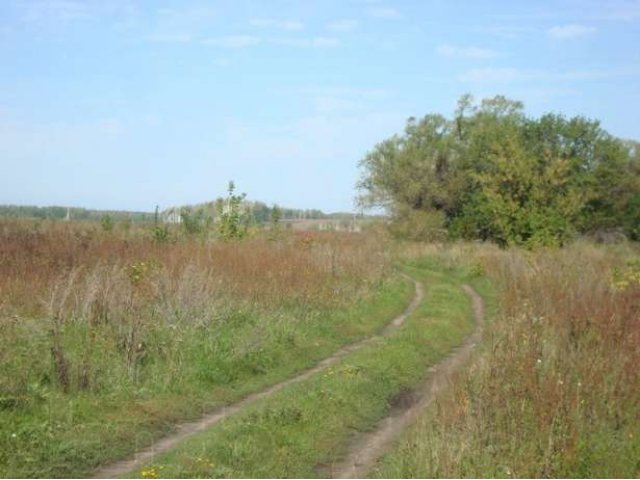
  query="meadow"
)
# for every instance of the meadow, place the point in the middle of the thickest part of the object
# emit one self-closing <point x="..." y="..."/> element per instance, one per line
<point x="305" y="430"/>
<point x="555" y="389"/>
<point x="111" y="338"/>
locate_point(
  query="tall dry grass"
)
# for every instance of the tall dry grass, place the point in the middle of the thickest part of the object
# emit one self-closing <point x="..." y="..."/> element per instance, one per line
<point x="34" y="261"/>
<point x="81" y="291"/>
<point x="555" y="389"/>
<point x="108" y="338"/>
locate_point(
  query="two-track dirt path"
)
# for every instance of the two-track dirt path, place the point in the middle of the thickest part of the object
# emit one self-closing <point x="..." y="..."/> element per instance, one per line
<point x="367" y="448"/>
<point x="183" y="431"/>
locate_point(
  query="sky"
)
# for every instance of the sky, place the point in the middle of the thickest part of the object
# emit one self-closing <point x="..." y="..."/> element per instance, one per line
<point x="127" y="104"/>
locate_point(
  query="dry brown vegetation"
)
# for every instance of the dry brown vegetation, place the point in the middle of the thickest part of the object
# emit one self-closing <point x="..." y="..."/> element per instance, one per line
<point x="94" y="322"/>
<point x="556" y="389"/>
<point x="37" y="260"/>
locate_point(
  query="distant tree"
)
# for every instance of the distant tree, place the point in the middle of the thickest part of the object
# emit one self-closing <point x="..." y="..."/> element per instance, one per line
<point x="107" y="223"/>
<point x="194" y="221"/>
<point x="274" y="221"/>
<point x="233" y="220"/>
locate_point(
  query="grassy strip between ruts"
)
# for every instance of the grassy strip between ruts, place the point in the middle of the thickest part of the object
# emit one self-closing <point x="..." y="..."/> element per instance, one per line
<point x="69" y="437"/>
<point x="302" y="430"/>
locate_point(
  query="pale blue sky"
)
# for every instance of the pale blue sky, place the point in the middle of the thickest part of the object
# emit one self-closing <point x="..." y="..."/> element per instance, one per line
<point x="125" y="104"/>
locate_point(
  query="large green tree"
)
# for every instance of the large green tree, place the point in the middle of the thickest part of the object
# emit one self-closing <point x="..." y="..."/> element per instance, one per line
<point x="495" y="174"/>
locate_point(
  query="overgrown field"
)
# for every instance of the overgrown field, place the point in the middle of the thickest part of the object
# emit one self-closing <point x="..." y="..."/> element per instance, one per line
<point x="305" y="429"/>
<point x="107" y="339"/>
<point x="555" y="388"/>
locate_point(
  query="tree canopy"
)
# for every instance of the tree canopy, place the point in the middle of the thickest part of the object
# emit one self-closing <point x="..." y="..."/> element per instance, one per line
<point x="493" y="173"/>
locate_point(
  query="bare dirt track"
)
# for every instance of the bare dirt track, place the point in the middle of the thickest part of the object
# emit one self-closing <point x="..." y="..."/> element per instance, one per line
<point x="183" y="431"/>
<point x="367" y="448"/>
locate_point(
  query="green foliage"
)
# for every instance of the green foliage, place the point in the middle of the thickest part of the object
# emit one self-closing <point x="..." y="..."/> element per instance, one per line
<point x="494" y="174"/>
<point x="60" y="213"/>
<point x="126" y="224"/>
<point x="160" y="233"/>
<point x="233" y="219"/>
<point x="275" y="227"/>
<point x="107" y="223"/>
<point x="418" y="225"/>
<point x="189" y="361"/>
<point x="290" y="435"/>
<point x="276" y="216"/>
<point x="194" y="222"/>
<point x="553" y="390"/>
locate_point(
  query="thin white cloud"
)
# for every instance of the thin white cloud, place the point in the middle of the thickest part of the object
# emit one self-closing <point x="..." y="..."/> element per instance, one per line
<point x="171" y="37"/>
<point x="510" y="75"/>
<point x="354" y="92"/>
<point x="384" y="12"/>
<point x="465" y="52"/>
<point x="288" y="25"/>
<point x="545" y="94"/>
<point x="4" y="112"/>
<point x="616" y="10"/>
<point x="333" y="104"/>
<point x="180" y="25"/>
<point x="233" y="41"/>
<point x="221" y="62"/>
<point x="188" y="16"/>
<point x="342" y="25"/>
<point x="56" y="10"/>
<point x="505" y="31"/>
<point x="316" y="42"/>
<point x="565" y="32"/>
<point x="325" y="42"/>
<point x="525" y="16"/>
<point x="333" y="99"/>
<point x="54" y="14"/>
<point x="504" y="74"/>
<point x="110" y="126"/>
<point x="627" y="12"/>
<point x="593" y="10"/>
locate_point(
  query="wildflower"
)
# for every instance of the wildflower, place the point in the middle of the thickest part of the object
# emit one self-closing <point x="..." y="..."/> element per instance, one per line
<point x="150" y="472"/>
<point x="13" y="435"/>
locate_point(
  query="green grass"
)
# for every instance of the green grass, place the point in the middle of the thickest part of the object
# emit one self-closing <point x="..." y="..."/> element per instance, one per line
<point x="305" y="427"/>
<point x="187" y="370"/>
<point x="553" y="390"/>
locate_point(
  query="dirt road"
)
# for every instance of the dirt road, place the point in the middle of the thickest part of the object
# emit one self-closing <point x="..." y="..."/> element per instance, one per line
<point x="367" y="448"/>
<point x="182" y="432"/>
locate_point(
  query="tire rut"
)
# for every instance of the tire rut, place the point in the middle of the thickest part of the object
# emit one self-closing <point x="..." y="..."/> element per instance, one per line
<point x="186" y="430"/>
<point x="369" y="447"/>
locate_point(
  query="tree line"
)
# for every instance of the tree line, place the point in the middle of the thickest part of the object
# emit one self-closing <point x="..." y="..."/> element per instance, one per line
<point x="259" y="212"/>
<point x="75" y="213"/>
<point x="493" y="173"/>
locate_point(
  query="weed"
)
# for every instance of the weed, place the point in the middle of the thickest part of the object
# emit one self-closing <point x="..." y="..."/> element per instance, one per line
<point x="555" y="389"/>
<point x="307" y="425"/>
<point x="106" y="340"/>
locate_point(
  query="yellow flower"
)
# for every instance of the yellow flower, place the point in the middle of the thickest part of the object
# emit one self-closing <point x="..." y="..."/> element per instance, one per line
<point x="150" y="472"/>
